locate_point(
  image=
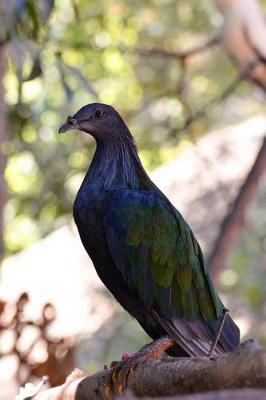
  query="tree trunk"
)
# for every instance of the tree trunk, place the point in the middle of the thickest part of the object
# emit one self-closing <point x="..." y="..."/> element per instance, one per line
<point x="234" y="220"/>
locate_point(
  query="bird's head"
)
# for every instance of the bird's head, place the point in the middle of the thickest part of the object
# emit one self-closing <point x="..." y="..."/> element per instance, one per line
<point x="99" y="120"/>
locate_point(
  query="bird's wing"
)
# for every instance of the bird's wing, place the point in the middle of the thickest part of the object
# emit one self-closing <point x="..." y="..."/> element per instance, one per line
<point x="160" y="260"/>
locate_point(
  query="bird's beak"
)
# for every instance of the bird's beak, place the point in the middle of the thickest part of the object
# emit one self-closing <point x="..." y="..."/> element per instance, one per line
<point x="70" y="124"/>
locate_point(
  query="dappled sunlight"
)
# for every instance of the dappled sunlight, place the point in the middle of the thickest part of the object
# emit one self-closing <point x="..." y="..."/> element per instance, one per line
<point x="198" y="120"/>
<point x="229" y="278"/>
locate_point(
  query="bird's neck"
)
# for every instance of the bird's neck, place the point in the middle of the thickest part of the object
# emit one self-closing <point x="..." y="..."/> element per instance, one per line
<point x="116" y="165"/>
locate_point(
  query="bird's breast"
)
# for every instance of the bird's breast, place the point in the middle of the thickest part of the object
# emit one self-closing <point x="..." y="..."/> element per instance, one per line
<point x="87" y="212"/>
<point x="86" y="209"/>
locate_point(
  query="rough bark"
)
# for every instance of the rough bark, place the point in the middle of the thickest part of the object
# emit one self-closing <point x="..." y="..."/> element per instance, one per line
<point x="234" y="220"/>
<point x="243" y="368"/>
<point x="233" y="394"/>
<point x="3" y="138"/>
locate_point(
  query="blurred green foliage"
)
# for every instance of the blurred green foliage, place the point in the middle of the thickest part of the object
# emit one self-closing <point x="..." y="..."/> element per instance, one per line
<point x="65" y="54"/>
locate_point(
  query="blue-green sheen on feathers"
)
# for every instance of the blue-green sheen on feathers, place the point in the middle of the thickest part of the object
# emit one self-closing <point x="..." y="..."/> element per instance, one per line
<point x="161" y="257"/>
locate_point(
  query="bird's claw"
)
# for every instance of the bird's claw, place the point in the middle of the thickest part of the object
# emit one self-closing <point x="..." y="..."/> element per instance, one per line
<point x="122" y="370"/>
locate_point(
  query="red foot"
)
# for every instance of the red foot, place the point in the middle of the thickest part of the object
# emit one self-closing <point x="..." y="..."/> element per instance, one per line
<point x="125" y="356"/>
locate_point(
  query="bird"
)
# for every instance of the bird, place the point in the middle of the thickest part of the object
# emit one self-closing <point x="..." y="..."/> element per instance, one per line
<point x="142" y="248"/>
<point x="244" y="37"/>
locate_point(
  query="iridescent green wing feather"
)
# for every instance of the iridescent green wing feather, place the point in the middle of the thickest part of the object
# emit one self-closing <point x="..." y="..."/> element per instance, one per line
<point x="158" y="255"/>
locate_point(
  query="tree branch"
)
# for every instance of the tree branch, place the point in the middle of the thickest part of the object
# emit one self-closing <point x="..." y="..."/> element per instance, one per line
<point x="161" y="52"/>
<point x="177" y="55"/>
<point x="228" y="90"/>
<point x="233" y="394"/>
<point x="245" y="367"/>
<point x="234" y="220"/>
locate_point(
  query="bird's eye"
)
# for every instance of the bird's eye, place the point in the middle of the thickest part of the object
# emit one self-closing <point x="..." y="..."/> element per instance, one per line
<point x="98" y="114"/>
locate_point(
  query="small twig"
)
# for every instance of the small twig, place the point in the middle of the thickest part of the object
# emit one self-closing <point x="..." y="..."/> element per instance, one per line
<point x="177" y="55"/>
<point x="218" y="333"/>
<point x="221" y="97"/>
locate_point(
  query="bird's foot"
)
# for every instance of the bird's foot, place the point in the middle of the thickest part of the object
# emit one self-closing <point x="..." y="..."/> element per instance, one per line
<point x="126" y="356"/>
<point x="123" y="369"/>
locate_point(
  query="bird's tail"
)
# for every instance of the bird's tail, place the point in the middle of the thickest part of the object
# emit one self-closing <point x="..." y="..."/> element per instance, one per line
<point x="196" y="337"/>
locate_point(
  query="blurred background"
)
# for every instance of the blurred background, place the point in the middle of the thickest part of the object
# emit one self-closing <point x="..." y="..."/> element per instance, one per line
<point x="196" y="107"/>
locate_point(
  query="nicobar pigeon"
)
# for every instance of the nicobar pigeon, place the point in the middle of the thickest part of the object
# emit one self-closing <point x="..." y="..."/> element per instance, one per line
<point x="142" y="248"/>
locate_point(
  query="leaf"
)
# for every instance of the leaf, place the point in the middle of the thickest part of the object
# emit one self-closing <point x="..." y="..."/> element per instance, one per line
<point x="33" y="12"/>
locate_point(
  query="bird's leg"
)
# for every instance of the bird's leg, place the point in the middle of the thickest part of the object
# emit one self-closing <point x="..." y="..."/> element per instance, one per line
<point x="218" y="334"/>
<point x="124" y="368"/>
<point x="154" y="349"/>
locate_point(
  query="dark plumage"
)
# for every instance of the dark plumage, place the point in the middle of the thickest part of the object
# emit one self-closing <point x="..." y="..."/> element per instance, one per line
<point x="142" y="248"/>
